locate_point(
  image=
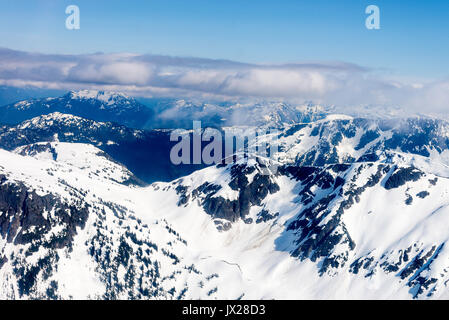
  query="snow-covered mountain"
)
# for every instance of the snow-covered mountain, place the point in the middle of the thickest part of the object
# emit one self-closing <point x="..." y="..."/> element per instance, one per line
<point x="344" y="139"/>
<point x="362" y="230"/>
<point x="351" y="207"/>
<point x="181" y="113"/>
<point x="334" y="139"/>
<point x="106" y="106"/>
<point x="64" y="235"/>
<point x="145" y="152"/>
<point x="89" y="104"/>
<point x="372" y="229"/>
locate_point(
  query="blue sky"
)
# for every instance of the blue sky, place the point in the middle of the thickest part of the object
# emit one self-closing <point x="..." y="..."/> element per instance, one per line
<point x="318" y="51"/>
<point x="413" y="40"/>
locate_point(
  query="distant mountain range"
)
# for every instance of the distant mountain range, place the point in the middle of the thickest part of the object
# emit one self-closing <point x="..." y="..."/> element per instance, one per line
<point x="169" y="113"/>
<point x="89" y="104"/>
<point x="159" y="113"/>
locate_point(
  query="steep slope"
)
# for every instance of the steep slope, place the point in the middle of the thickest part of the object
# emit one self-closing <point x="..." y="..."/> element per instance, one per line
<point x="363" y="230"/>
<point x="89" y="104"/>
<point x="343" y="139"/>
<point x="62" y="235"/>
<point x="145" y="153"/>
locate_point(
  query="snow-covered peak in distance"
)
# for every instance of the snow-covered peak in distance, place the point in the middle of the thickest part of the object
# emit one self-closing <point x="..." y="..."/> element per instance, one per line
<point x="109" y="97"/>
<point x="375" y="112"/>
<point x="266" y="113"/>
<point x="89" y="104"/>
<point x="181" y="113"/>
<point x="342" y="139"/>
<point x="49" y="119"/>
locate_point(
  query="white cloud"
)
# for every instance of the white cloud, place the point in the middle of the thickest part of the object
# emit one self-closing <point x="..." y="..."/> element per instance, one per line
<point x="329" y="83"/>
<point x="122" y="72"/>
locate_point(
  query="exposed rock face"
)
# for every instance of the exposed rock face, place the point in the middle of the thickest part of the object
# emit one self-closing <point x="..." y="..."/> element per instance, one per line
<point x="41" y="232"/>
<point x="402" y="176"/>
<point x="323" y="237"/>
<point x="250" y="194"/>
<point x="319" y="230"/>
<point x="37" y="148"/>
<point x="319" y="226"/>
<point x="27" y="217"/>
<point x="30" y="220"/>
<point x="360" y="140"/>
<point x="325" y="194"/>
<point x="251" y="184"/>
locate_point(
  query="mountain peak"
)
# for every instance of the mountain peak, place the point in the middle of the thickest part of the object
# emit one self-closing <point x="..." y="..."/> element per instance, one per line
<point x="44" y="120"/>
<point x="105" y="96"/>
<point x="103" y="106"/>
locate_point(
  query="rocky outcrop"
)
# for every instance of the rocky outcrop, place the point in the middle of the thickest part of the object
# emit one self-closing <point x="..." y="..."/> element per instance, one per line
<point x="27" y="217"/>
<point x="401" y="176"/>
<point x="251" y="183"/>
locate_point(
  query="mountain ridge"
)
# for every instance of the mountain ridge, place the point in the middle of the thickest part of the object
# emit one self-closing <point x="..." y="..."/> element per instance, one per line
<point x="90" y="104"/>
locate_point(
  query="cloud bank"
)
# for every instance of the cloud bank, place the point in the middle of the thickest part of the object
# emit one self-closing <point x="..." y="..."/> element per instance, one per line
<point x="339" y="83"/>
